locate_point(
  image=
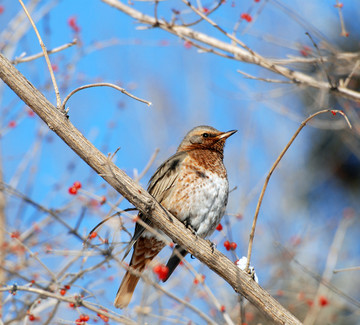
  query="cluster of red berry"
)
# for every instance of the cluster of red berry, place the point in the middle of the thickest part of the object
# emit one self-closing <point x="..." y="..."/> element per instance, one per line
<point x="82" y="319"/>
<point x="229" y="245"/>
<point x="64" y="289"/>
<point x="161" y="270"/>
<point x="74" y="188"/>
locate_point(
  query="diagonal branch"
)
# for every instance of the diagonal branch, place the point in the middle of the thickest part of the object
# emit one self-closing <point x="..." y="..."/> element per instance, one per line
<point x="141" y="199"/>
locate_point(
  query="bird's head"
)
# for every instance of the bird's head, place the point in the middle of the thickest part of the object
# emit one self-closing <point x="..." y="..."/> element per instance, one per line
<point x="205" y="137"/>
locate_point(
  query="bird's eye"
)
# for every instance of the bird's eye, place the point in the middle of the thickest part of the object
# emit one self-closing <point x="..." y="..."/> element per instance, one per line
<point x="205" y="135"/>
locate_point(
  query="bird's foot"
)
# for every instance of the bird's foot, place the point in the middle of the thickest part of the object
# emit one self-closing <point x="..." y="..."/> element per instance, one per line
<point x="188" y="226"/>
<point x="212" y="245"/>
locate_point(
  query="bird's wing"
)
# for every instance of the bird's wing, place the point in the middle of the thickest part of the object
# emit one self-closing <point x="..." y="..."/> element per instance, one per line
<point x="165" y="176"/>
<point x="160" y="184"/>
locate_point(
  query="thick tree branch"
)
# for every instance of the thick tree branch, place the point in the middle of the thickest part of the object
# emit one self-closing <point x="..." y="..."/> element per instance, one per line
<point x="136" y="195"/>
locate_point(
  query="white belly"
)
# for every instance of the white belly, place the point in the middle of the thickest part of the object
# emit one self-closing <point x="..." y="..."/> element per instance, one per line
<point x="200" y="203"/>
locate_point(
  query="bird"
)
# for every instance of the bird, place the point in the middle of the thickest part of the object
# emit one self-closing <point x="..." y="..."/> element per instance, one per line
<point x="192" y="184"/>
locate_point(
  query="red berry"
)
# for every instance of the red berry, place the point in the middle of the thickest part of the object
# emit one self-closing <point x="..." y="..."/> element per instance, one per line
<point x="67" y="287"/>
<point x="164" y="272"/>
<point x="233" y="246"/>
<point x="1" y="9"/>
<point x="135" y="219"/>
<point x="12" y="124"/>
<point x="227" y="245"/>
<point x="246" y="17"/>
<point x="93" y="235"/>
<point x="15" y="234"/>
<point x="333" y="113"/>
<point x="73" y="24"/>
<point x="77" y="185"/>
<point x="222" y="309"/>
<point x="84" y="318"/>
<point x="161" y="271"/>
<point x="205" y="10"/>
<point x="71" y="305"/>
<point x="32" y="318"/>
<point x="219" y="227"/>
<point x="323" y="301"/>
<point x="157" y="268"/>
<point x="63" y="292"/>
<point x="73" y="190"/>
<point x="187" y="44"/>
<point x="199" y="279"/>
<point x="103" y="200"/>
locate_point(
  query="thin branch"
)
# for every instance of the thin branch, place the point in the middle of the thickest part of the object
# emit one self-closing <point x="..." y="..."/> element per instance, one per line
<point x="344" y="32"/>
<point x="57" y="94"/>
<point x="211" y="22"/>
<point x="328" y="270"/>
<point x="68" y="299"/>
<point x="354" y="268"/>
<point x="103" y="84"/>
<point x="264" y="79"/>
<point x="41" y="54"/>
<point x="252" y="234"/>
<point x="351" y="73"/>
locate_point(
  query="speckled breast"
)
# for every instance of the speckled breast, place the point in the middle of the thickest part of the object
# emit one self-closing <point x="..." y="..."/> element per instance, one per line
<point x="200" y="193"/>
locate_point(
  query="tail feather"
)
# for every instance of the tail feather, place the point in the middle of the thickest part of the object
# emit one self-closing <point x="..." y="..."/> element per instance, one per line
<point x="174" y="260"/>
<point x="145" y="249"/>
<point x="126" y="290"/>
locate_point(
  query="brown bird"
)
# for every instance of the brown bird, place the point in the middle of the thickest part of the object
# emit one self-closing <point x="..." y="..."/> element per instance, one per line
<point x="193" y="186"/>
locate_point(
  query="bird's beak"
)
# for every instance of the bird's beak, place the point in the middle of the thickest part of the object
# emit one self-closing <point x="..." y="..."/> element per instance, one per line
<point x="225" y="135"/>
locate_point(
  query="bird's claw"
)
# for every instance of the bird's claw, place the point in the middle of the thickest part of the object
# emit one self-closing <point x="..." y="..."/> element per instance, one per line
<point x="212" y="245"/>
<point x="188" y="226"/>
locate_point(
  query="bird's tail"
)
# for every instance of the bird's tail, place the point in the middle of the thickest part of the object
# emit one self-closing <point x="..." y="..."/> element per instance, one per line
<point x="126" y="290"/>
<point x="145" y="249"/>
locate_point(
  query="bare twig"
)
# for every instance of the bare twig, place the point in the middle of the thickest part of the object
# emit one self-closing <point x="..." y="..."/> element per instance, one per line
<point x="347" y="269"/>
<point x="351" y="73"/>
<point x="264" y="79"/>
<point x="328" y="270"/>
<point x="41" y="54"/>
<point x="252" y="233"/>
<point x="57" y="94"/>
<point x="103" y="84"/>
<point x="344" y="32"/>
<point x="68" y="299"/>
